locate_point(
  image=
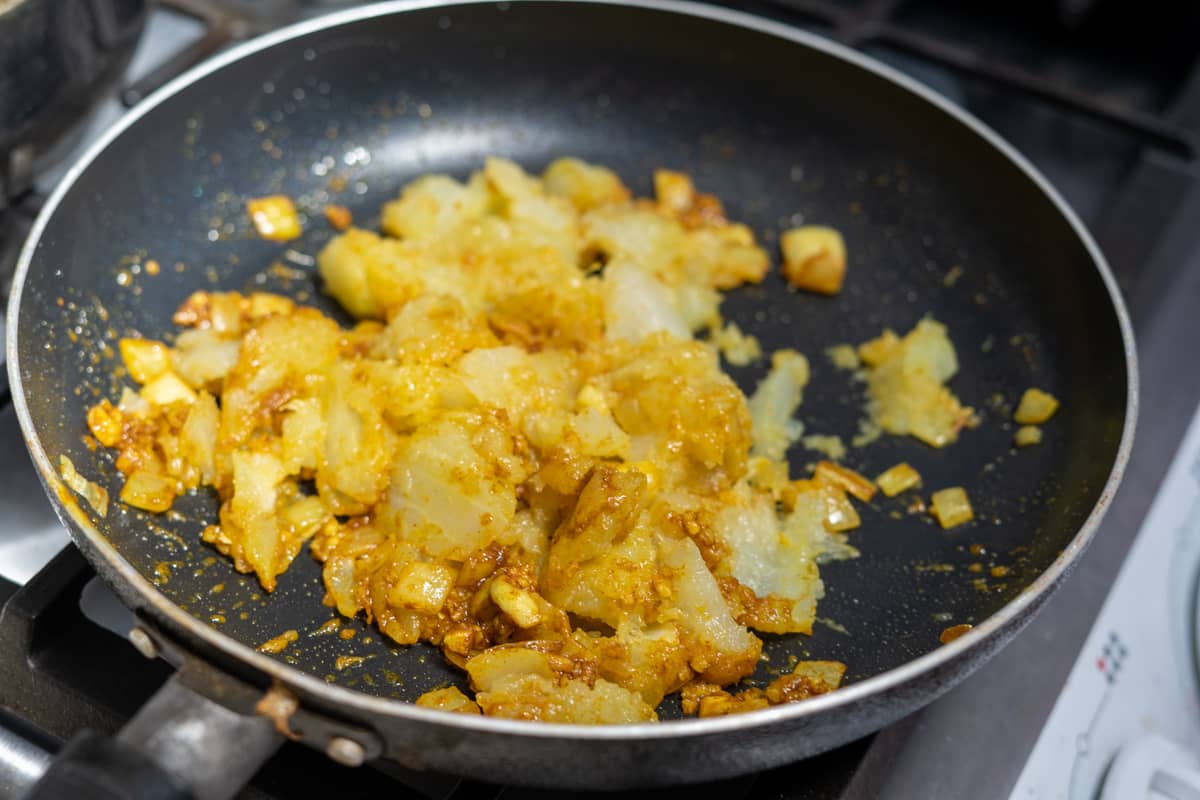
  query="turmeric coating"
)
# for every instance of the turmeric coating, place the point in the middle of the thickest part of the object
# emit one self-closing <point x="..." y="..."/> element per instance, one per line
<point x="516" y="456"/>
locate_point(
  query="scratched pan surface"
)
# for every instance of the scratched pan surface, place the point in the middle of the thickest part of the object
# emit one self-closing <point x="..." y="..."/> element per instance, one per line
<point x="780" y="130"/>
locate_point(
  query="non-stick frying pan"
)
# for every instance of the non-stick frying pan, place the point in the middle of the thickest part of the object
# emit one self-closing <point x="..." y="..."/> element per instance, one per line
<point x="780" y="124"/>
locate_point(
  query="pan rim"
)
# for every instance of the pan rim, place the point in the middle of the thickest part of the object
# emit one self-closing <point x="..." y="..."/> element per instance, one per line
<point x="357" y="701"/>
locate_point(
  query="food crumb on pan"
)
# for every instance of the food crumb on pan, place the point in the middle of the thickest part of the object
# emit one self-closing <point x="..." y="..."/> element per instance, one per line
<point x="338" y="216"/>
<point x="906" y="379"/>
<point x="1035" y="407"/>
<point x="814" y="258"/>
<point x="897" y="479"/>
<point x="274" y="217"/>
<point x="843" y="356"/>
<point x="951" y="507"/>
<point x="829" y="445"/>
<point x="1027" y="435"/>
<point x="952" y="275"/>
<point x="737" y="347"/>
<point x="95" y="494"/>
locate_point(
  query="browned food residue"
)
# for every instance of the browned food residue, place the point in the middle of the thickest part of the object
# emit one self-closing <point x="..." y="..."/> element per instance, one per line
<point x="345" y="662"/>
<point x="953" y="632"/>
<point x="278" y="705"/>
<point x="279" y="643"/>
<point x="338" y="216"/>
<point x="327" y="627"/>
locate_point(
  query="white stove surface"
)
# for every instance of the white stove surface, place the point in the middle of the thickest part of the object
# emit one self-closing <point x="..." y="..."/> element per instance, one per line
<point x="1136" y="682"/>
<point x="30" y="533"/>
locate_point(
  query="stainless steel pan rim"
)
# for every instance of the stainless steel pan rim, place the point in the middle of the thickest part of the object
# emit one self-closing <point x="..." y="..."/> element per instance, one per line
<point x="351" y="700"/>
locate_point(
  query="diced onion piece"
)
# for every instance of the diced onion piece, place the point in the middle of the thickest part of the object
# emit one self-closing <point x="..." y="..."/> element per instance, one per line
<point x="265" y="304"/>
<point x="166" y="389"/>
<point x="585" y="185"/>
<point x="274" y="217"/>
<point x="775" y="401"/>
<point x="840" y="514"/>
<point x="898" y="479"/>
<point x="422" y="587"/>
<point x="145" y="359"/>
<point x="691" y="695"/>
<point x="148" y="491"/>
<point x="877" y="350"/>
<point x="808" y="679"/>
<point x="521" y="606"/>
<point x="846" y="479"/>
<point x="449" y="698"/>
<point x="1025" y="436"/>
<point x="723" y="703"/>
<point x="105" y="420"/>
<point x="673" y="190"/>
<point x="493" y="667"/>
<point x="95" y="494"/>
<point x="814" y="258"/>
<point x="202" y="356"/>
<point x="637" y="304"/>
<point x="1035" y="407"/>
<point x="951" y="507"/>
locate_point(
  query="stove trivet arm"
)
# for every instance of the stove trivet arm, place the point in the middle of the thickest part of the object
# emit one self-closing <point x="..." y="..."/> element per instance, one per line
<point x="22" y="761"/>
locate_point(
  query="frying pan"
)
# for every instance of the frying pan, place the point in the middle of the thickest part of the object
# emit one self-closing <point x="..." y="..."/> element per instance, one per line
<point x="781" y="125"/>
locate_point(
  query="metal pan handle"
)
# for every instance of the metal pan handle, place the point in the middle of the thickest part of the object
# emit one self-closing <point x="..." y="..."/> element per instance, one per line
<point x="179" y="745"/>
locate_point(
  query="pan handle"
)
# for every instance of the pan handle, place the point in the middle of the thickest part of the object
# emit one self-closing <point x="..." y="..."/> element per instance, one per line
<point x="180" y="745"/>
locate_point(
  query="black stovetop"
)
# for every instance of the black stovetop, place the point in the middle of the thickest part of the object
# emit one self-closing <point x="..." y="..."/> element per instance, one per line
<point x="1102" y="95"/>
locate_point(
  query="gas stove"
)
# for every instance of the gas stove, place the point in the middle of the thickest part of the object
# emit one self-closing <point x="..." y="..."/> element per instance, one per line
<point x="1099" y="697"/>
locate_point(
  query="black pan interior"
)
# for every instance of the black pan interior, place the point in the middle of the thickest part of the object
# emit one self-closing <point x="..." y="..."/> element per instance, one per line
<point x="780" y="131"/>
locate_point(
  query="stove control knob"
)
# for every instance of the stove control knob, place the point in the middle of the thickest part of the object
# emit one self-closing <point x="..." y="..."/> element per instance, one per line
<point x="1152" y="768"/>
